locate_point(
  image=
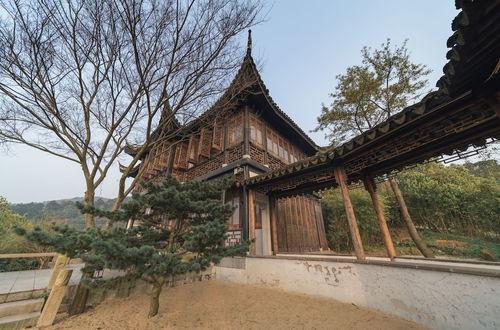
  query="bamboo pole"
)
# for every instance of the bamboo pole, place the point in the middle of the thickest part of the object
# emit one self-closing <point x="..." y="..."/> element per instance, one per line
<point x="56" y="296"/>
<point x="251" y="211"/>
<point x="341" y="178"/>
<point x="372" y="188"/>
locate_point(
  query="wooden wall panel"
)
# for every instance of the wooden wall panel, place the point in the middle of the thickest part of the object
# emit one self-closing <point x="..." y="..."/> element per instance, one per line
<point x="290" y="228"/>
<point x="282" y="227"/>
<point x="301" y="220"/>
<point x="321" y="226"/>
<point x="306" y="225"/>
<point x="300" y="226"/>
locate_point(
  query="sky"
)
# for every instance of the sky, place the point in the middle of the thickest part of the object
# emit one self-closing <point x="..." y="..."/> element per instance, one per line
<point x="301" y="47"/>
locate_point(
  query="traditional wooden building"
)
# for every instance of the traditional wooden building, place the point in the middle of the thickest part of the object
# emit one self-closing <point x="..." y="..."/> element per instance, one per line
<point x="243" y="135"/>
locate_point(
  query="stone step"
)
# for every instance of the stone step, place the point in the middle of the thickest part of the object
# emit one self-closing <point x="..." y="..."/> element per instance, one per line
<point x="19" y="321"/>
<point x="21" y="307"/>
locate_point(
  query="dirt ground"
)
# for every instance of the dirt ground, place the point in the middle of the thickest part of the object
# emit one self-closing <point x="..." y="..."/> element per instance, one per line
<point x="223" y="305"/>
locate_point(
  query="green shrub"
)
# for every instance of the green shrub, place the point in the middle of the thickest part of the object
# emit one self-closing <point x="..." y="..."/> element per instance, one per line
<point x="337" y="227"/>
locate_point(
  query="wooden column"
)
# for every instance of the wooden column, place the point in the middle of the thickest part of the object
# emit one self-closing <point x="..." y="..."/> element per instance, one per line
<point x="251" y="211"/>
<point x="372" y="188"/>
<point x="56" y="296"/>
<point x="273" y="217"/>
<point x="341" y="178"/>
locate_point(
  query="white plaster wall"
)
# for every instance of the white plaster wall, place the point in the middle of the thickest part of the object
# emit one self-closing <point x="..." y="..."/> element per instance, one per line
<point x="440" y="300"/>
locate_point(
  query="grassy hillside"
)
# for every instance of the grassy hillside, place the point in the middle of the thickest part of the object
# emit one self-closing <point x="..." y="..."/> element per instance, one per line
<point x="63" y="210"/>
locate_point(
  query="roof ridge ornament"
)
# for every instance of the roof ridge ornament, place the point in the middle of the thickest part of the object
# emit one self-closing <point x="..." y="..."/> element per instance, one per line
<point x="249" y="45"/>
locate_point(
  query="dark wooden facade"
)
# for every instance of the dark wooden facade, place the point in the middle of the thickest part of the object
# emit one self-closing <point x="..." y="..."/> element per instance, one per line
<point x="245" y="134"/>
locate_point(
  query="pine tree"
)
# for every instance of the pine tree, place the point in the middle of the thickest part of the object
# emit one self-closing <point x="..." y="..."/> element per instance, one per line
<point x="153" y="251"/>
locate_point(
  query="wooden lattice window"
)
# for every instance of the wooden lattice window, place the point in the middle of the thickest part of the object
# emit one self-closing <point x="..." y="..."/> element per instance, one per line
<point x="181" y="153"/>
<point x="293" y="154"/>
<point x="194" y="143"/>
<point x="205" y="142"/>
<point x="256" y="130"/>
<point x="233" y="198"/>
<point x="286" y="147"/>
<point x="235" y="130"/>
<point x="275" y="144"/>
<point x="218" y="136"/>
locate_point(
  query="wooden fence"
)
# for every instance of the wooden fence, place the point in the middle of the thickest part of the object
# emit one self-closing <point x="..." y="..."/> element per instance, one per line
<point x="57" y="284"/>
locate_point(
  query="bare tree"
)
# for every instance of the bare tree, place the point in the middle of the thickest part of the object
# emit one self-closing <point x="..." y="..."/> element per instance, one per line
<point x="81" y="79"/>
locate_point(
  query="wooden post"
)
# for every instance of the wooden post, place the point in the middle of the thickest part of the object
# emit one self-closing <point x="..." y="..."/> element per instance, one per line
<point x="55" y="298"/>
<point x="251" y="211"/>
<point x="60" y="263"/>
<point x="341" y="178"/>
<point x="273" y="217"/>
<point x="372" y="188"/>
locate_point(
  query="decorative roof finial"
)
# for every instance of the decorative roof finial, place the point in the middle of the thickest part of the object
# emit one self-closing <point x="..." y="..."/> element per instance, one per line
<point x="249" y="45"/>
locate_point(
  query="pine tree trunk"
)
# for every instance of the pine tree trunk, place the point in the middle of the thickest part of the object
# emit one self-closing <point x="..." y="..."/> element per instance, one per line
<point x="409" y="222"/>
<point x="154" y="303"/>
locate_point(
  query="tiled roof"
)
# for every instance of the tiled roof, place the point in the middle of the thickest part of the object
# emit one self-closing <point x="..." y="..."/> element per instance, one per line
<point x="475" y="46"/>
<point x="248" y="76"/>
<point x="328" y="154"/>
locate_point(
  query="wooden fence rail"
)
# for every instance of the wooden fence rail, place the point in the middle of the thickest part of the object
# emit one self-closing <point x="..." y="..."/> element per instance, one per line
<point x="28" y="255"/>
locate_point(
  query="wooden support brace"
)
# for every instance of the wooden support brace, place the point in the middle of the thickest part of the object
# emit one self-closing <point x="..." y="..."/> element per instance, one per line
<point x="273" y="217"/>
<point x="371" y="188"/>
<point x="59" y="265"/>
<point x="341" y="178"/>
<point x="251" y="211"/>
<point x="56" y="296"/>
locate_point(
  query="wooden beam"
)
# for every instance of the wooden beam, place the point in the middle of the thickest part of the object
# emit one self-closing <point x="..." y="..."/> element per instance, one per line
<point x="341" y="177"/>
<point x="273" y="217"/>
<point x="251" y="209"/>
<point x="371" y="188"/>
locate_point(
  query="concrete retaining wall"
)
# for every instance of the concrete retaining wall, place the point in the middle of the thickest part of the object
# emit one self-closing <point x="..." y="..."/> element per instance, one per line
<point x="438" y="299"/>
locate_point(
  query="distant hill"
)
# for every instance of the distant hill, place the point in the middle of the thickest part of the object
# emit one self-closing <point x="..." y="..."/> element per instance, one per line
<point x="62" y="209"/>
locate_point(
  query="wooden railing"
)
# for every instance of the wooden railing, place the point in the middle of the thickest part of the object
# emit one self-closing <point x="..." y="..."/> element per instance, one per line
<point x="58" y="283"/>
<point x="28" y="255"/>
